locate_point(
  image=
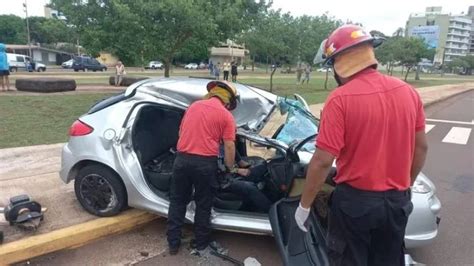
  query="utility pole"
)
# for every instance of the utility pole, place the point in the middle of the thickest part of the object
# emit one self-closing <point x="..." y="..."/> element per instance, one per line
<point x="28" y="29"/>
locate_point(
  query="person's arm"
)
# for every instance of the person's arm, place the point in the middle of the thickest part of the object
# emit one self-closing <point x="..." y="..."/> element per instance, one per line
<point x="229" y="153"/>
<point x="229" y="140"/>
<point x="421" y="145"/>
<point x="419" y="157"/>
<point x="318" y="170"/>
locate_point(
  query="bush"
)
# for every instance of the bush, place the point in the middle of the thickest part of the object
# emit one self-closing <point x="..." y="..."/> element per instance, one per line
<point x="45" y="85"/>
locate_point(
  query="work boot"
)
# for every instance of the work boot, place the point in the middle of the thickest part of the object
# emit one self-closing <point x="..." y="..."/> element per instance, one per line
<point x="173" y="250"/>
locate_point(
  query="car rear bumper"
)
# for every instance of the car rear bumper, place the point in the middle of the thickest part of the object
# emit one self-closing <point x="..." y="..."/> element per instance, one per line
<point x="422" y="227"/>
<point x="67" y="163"/>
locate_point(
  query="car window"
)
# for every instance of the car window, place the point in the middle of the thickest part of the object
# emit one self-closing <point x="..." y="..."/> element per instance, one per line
<point x="298" y="126"/>
<point x="20" y="59"/>
<point x="95" y="62"/>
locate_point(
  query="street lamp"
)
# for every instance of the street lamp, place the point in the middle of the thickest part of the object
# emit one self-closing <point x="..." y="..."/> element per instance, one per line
<point x="28" y="28"/>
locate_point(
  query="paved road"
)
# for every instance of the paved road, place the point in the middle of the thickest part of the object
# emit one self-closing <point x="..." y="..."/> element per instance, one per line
<point x="450" y="165"/>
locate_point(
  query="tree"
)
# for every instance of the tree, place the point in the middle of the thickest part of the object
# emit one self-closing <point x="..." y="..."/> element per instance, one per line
<point x="457" y="64"/>
<point x="12" y="29"/>
<point x="411" y="51"/>
<point x="49" y="30"/>
<point x="140" y="29"/>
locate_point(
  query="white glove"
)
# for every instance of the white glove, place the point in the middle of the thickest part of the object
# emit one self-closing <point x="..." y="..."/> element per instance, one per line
<point x="301" y="215"/>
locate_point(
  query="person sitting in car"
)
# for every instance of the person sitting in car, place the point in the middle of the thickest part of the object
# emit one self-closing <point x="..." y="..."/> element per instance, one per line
<point x="246" y="184"/>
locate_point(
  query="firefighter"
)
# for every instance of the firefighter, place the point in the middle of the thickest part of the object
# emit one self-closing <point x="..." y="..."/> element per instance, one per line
<point x="205" y="125"/>
<point x="373" y="125"/>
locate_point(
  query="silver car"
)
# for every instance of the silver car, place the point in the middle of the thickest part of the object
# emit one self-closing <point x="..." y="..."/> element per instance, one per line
<point x="120" y="153"/>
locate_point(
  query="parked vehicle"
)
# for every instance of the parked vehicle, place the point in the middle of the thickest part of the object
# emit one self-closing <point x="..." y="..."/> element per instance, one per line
<point x="191" y="66"/>
<point x="154" y="65"/>
<point x="323" y="69"/>
<point x="20" y="62"/>
<point x="120" y="153"/>
<point x="86" y="63"/>
<point x="67" y="64"/>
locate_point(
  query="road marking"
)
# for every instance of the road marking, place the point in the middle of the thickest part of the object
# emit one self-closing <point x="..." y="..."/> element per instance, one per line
<point x="458" y="135"/>
<point x="428" y="127"/>
<point x="450" y="121"/>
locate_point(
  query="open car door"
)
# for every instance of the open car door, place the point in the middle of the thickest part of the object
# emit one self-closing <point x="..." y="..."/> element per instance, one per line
<point x="295" y="246"/>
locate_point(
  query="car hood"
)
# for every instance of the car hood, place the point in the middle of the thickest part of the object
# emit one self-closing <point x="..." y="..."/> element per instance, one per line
<point x="252" y="112"/>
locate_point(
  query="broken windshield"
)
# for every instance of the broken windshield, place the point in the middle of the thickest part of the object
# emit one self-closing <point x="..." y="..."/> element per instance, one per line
<point x="300" y="124"/>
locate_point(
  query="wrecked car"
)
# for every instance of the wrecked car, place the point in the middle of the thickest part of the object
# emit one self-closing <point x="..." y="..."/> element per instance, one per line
<point x="120" y="153"/>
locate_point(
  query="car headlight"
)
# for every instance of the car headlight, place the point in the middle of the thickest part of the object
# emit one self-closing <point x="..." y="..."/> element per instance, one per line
<point x="420" y="186"/>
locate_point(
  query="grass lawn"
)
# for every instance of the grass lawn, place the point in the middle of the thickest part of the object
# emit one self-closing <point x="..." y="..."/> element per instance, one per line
<point x="33" y="120"/>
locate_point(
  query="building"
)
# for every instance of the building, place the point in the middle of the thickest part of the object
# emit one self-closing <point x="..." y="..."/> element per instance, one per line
<point x="449" y="34"/>
<point x="470" y="13"/>
<point x="228" y="52"/>
<point x="40" y="54"/>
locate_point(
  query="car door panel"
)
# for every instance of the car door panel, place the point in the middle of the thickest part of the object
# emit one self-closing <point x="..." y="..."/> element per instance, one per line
<point x="295" y="246"/>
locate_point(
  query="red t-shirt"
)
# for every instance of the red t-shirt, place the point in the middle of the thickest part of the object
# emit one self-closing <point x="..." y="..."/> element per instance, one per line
<point x="205" y="125"/>
<point x="369" y="125"/>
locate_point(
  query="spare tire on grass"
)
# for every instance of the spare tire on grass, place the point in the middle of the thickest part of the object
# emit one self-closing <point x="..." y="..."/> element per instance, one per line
<point x="126" y="81"/>
<point x="45" y="84"/>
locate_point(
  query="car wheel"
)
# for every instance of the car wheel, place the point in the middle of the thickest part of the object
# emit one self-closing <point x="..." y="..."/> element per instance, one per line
<point x="76" y="70"/>
<point x="13" y="69"/>
<point x="100" y="191"/>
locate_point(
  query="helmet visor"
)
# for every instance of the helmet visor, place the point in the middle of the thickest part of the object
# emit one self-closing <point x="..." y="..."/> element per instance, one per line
<point x="320" y="56"/>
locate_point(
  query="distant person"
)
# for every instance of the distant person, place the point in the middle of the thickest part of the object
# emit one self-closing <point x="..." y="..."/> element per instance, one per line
<point x="119" y="73"/>
<point x="211" y="68"/>
<point x="307" y="73"/>
<point x="4" y="68"/>
<point x="226" y="69"/>
<point x="233" y="71"/>
<point x="299" y="72"/>
<point x="217" y="70"/>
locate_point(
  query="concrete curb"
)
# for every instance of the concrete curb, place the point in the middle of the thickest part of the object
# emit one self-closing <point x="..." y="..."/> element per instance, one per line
<point x="446" y="97"/>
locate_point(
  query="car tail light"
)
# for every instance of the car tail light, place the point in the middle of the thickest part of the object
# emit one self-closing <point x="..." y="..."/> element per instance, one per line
<point x="80" y="128"/>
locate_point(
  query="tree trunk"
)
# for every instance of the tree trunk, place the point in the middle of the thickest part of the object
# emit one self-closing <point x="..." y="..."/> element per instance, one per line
<point x="417" y="76"/>
<point x="326" y="80"/>
<point x="403" y="68"/>
<point x="253" y="64"/>
<point x="271" y="78"/>
<point x="266" y="70"/>
<point x="167" y="68"/>
<point x="408" y="71"/>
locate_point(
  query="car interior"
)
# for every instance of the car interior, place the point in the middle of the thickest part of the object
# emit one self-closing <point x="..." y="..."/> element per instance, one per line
<point x="155" y="135"/>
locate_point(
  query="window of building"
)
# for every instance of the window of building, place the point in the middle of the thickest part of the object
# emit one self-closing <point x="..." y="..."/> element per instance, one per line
<point x="430" y="22"/>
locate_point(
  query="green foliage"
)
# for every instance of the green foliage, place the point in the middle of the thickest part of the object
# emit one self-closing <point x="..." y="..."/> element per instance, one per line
<point x="403" y="51"/>
<point x="283" y="38"/>
<point x="142" y="30"/>
<point x="12" y="29"/>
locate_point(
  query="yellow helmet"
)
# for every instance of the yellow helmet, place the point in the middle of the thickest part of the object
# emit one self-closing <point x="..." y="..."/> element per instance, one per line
<point x="228" y="86"/>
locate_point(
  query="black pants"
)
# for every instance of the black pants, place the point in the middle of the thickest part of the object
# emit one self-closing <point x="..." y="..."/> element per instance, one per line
<point x="226" y="75"/>
<point x="246" y="188"/>
<point x="192" y="171"/>
<point x="367" y="228"/>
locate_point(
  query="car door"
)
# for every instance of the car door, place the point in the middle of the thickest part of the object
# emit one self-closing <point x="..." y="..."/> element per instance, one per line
<point x="295" y="246"/>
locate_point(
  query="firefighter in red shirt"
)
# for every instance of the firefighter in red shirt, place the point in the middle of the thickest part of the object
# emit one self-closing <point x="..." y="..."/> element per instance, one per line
<point x="206" y="124"/>
<point x="373" y="125"/>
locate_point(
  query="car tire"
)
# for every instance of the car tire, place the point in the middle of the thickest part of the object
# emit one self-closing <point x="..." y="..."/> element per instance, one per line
<point x="76" y="70"/>
<point x="90" y="186"/>
<point x="13" y="69"/>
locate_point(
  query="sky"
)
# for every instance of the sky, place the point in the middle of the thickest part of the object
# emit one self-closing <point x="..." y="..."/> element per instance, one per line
<point x="383" y="15"/>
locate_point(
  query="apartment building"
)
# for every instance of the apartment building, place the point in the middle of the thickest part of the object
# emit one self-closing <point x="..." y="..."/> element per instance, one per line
<point x="449" y="34"/>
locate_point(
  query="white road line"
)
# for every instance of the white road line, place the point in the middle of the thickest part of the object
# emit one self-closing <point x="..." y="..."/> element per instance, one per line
<point x="450" y="121"/>
<point x="428" y="127"/>
<point x="458" y="135"/>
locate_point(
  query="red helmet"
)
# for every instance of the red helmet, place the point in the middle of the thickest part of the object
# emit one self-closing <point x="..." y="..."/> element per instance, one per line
<point x="345" y="37"/>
